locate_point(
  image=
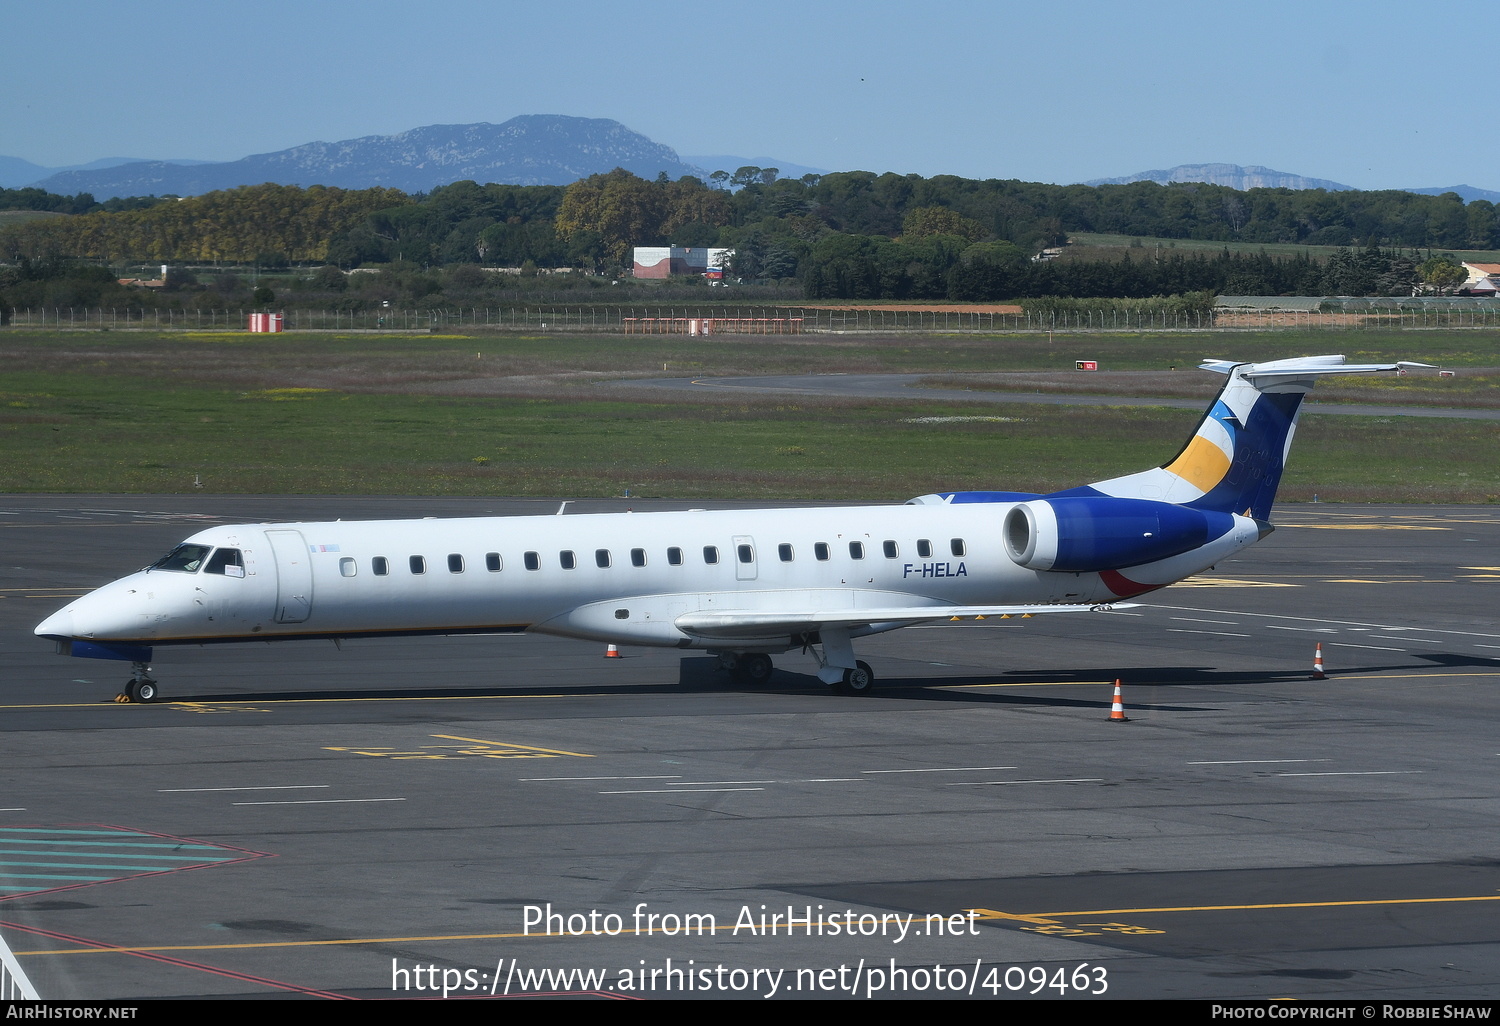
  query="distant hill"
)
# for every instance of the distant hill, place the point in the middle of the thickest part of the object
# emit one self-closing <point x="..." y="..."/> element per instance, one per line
<point x="534" y="149"/>
<point x="728" y="162"/>
<point x="1231" y="175"/>
<point x="1468" y="192"/>
<point x="16" y="173"/>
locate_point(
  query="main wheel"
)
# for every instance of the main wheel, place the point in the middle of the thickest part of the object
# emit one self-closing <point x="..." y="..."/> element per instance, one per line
<point x="860" y="680"/>
<point x="754" y="668"/>
<point x="141" y="690"/>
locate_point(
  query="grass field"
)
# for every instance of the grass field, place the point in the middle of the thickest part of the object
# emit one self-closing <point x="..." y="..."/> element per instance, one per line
<point x="142" y="412"/>
<point x="13" y="217"/>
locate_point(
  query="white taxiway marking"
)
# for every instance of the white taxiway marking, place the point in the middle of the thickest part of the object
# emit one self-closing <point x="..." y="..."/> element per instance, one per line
<point x="1217" y="634"/>
<point x="1254" y="762"/>
<point x="946" y="769"/>
<point x="1350" y="773"/>
<point x="1194" y="619"/>
<point x="660" y="776"/>
<point x="1340" y="623"/>
<point x="1061" y="780"/>
<point x="692" y="790"/>
<point x="174" y="791"/>
<point x="325" y="801"/>
<point x="1378" y="648"/>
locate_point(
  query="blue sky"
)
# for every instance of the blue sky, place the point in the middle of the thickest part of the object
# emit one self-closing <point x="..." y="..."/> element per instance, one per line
<point x="1374" y="94"/>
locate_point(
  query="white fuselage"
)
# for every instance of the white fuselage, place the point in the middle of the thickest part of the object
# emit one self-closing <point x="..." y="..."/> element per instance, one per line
<point x="621" y="577"/>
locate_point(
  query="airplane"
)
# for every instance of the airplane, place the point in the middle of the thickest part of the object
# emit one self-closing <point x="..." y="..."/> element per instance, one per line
<point x="740" y="584"/>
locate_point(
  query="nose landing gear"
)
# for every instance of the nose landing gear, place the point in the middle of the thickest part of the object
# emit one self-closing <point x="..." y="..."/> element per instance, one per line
<point x="140" y="687"/>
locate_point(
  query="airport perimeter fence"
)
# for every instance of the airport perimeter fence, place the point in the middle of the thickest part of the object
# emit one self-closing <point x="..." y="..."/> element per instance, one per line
<point x="765" y="319"/>
<point x="14" y="986"/>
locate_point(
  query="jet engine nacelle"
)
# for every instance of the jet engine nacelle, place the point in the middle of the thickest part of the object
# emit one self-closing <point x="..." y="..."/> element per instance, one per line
<point x="1084" y="534"/>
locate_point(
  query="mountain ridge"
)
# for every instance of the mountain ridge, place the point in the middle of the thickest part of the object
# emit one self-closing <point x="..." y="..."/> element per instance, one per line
<point x="531" y="149"/>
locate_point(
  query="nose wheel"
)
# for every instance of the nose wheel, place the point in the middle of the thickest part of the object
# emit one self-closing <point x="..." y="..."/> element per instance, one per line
<point x="140" y="687"/>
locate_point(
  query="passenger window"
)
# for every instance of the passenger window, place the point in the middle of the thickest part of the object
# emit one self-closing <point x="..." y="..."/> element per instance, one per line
<point x="820" y="551"/>
<point x="710" y="554"/>
<point x="957" y="546"/>
<point x="784" y="552"/>
<point x="637" y="557"/>
<point x="347" y="567"/>
<point x="745" y="553"/>
<point x="455" y="563"/>
<point x="924" y="548"/>
<point x="674" y="556"/>
<point x="568" y="558"/>
<point x="532" y="560"/>
<point x="601" y="559"/>
<point x="856" y="550"/>
<point x="492" y="562"/>
<point x="228" y="563"/>
<point x="418" y="564"/>
<point x="380" y="566"/>
<point x="889" y="548"/>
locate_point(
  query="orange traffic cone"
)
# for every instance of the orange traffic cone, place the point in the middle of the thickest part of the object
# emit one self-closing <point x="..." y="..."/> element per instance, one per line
<point x="613" y="652"/>
<point x="1117" y="711"/>
<point x="1318" y="673"/>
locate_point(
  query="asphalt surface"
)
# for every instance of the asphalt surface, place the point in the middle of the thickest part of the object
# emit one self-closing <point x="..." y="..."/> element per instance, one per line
<point x="297" y="820"/>
<point x="908" y="386"/>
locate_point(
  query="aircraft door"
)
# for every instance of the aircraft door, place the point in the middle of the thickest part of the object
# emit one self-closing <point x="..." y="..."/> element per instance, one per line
<point x="744" y="558"/>
<point x="294" y="582"/>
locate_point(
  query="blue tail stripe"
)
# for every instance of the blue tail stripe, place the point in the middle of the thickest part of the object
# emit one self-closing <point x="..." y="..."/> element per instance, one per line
<point x="1259" y="450"/>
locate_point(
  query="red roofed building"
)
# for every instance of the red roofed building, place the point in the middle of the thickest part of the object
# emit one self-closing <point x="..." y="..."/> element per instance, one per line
<point x="1484" y="279"/>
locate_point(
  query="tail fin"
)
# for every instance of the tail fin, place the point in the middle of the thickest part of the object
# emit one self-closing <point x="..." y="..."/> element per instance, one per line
<point x="1233" y="461"/>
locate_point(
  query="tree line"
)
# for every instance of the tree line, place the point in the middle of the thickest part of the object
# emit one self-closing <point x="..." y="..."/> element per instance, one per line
<point x="845" y="235"/>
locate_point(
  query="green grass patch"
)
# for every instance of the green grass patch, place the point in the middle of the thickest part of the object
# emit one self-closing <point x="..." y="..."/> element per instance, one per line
<point x="113" y="413"/>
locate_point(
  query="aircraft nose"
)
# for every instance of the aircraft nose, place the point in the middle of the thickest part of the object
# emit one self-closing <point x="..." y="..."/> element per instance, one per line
<point x="58" y="625"/>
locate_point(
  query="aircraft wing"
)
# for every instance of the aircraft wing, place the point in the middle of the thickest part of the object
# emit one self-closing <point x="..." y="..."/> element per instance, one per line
<point x="753" y="624"/>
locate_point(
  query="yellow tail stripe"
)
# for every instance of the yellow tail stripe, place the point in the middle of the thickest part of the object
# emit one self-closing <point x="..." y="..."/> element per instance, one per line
<point x="1202" y="464"/>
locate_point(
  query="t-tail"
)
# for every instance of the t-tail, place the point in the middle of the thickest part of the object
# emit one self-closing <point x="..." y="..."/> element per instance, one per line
<point x="1163" y="524"/>
<point x="1234" y="460"/>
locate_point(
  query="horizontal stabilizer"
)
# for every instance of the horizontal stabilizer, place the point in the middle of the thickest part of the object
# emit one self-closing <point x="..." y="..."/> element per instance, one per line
<point x="1303" y="367"/>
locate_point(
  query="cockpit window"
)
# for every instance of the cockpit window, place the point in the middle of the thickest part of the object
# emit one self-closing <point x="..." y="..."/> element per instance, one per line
<point x="227" y="562"/>
<point x="184" y="559"/>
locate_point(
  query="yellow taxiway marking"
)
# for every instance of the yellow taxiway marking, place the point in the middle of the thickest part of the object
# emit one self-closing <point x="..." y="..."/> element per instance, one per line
<point x="249" y="704"/>
<point x="1030" y="684"/>
<point x="1229" y="582"/>
<point x="473" y="747"/>
<point x="1366" y="527"/>
<point x="1266" y="905"/>
<point x="508" y="744"/>
<point x="980" y="915"/>
<point x="75" y="588"/>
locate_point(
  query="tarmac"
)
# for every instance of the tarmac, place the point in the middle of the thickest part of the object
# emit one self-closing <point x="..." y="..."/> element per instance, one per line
<point x="519" y="815"/>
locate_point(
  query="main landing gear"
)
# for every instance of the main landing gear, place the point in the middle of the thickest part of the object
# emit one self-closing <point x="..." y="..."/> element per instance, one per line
<point x="860" y="680"/>
<point x="747" y="667"/>
<point x="837" y="666"/>
<point x="140" y="687"/>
